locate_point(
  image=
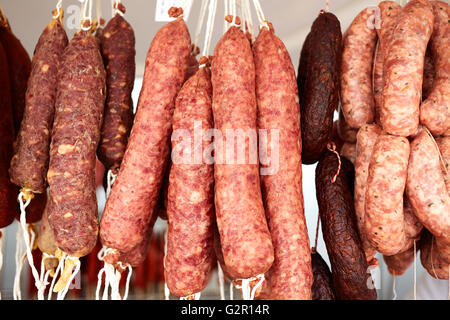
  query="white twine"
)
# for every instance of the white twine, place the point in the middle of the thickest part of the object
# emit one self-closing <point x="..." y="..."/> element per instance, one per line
<point x="393" y="288"/>
<point x="231" y="290"/>
<point x="200" y="22"/>
<point x="248" y="18"/>
<point x="127" y="285"/>
<point x="84" y="14"/>
<point x="196" y="296"/>
<point x="260" y="14"/>
<point x="221" y="278"/>
<point x="233" y="13"/>
<point x="44" y="275"/>
<point x="100" y="19"/>
<point x="19" y="258"/>
<point x="415" y="269"/>
<point x="62" y="294"/>
<point x="23" y="222"/>
<point x="248" y="294"/>
<point x="58" y="8"/>
<point x="225" y="23"/>
<point x="115" y="8"/>
<point x="166" y="288"/>
<point x="111" y="178"/>
<point x="209" y="28"/>
<point x="58" y="269"/>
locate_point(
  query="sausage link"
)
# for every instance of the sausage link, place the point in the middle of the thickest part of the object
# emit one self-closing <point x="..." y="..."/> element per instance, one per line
<point x="413" y="227"/>
<point x="19" y="64"/>
<point x="431" y="259"/>
<point x="388" y="16"/>
<point x="435" y="110"/>
<point x="322" y="288"/>
<point x="277" y="99"/>
<point x="348" y="263"/>
<point x="29" y="164"/>
<point x="397" y="264"/>
<point x="8" y="191"/>
<point x="384" y="218"/>
<point x="302" y="67"/>
<point x="244" y="234"/>
<point x="444" y="148"/>
<point x="366" y="139"/>
<point x="117" y="47"/>
<point x="133" y="197"/>
<point x="356" y="71"/>
<point x="190" y="206"/>
<point x="80" y="99"/>
<point x="428" y="74"/>
<point x="348" y="151"/>
<point x="403" y="68"/>
<point x="426" y="187"/>
<point x="321" y="87"/>
<point x="46" y="239"/>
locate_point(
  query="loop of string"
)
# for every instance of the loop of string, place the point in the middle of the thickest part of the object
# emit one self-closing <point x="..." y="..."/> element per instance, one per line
<point x="248" y="294"/>
<point x="115" y="4"/>
<point x="58" y="9"/>
<point x="248" y="24"/>
<point x="394" y="292"/>
<point x="332" y="147"/>
<point x="111" y="178"/>
<point x="221" y="279"/>
<point x="233" y="13"/>
<point x="61" y="295"/>
<point x="19" y="258"/>
<point x="58" y="269"/>
<point x="209" y="28"/>
<point x="225" y="22"/>
<point x="43" y="277"/>
<point x="25" y="226"/>
<point x="84" y="14"/>
<point x="100" y="19"/>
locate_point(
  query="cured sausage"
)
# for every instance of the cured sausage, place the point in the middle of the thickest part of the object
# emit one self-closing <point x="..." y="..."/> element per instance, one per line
<point x="321" y="87"/>
<point x="8" y="191"/>
<point x="388" y="18"/>
<point x="397" y="264"/>
<point x="117" y="47"/>
<point x="125" y="218"/>
<point x="19" y="65"/>
<point x="358" y="51"/>
<point x="444" y="148"/>
<point x="302" y="65"/>
<point x="244" y="234"/>
<point x="72" y="211"/>
<point x="190" y="206"/>
<point x="30" y="161"/>
<point x="384" y="218"/>
<point x="348" y="263"/>
<point x="322" y="288"/>
<point x="426" y="187"/>
<point x="403" y="68"/>
<point x="277" y="99"/>
<point x="435" y="110"/>
<point x="431" y="259"/>
<point x="413" y="227"/>
<point x="46" y="240"/>
<point x="349" y="151"/>
<point x="366" y="139"/>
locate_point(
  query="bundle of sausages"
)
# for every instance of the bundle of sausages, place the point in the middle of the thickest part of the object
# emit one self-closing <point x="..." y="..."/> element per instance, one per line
<point x="401" y="121"/>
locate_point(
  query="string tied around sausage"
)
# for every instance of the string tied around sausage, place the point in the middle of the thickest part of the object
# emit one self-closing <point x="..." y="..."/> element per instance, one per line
<point x="331" y="146"/>
<point x="249" y="292"/>
<point x="58" y="13"/>
<point x="194" y="296"/>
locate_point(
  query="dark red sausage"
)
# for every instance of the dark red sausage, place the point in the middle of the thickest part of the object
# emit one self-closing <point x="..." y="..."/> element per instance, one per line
<point x="322" y="288"/>
<point x="8" y="191"/>
<point x="19" y="64"/>
<point x="117" y="47"/>
<point x="337" y="215"/>
<point x="80" y="99"/>
<point x="321" y="88"/>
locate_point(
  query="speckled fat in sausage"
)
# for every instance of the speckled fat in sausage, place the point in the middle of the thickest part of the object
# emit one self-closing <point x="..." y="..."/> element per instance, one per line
<point x="435" y="110"/>
<point x="358" y="50"/>
<point x="244" y="234"/>
<point x="134" y="194"/>
<point x="384" y="217"/>
<point x="190" y="206"/>
<point x="29" y="164"/>
<point x="366" y="139"/>
<point x="403" y="68"/>
<point x="72" y="211"/>
<point x="278" y="108"/>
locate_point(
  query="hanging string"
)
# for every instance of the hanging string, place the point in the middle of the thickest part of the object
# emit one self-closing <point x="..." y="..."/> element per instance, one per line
<point x="415" y="269"/>
<point x="58" y="269"/>
<point x="393" y="288"/>
<point x="332" y="147"/>
<point x="111" y="178"/>
<point x="231" y="290"/>
<point x="327" y="7"/>
<point x="166" y="288"/>
<point x="61" y="295"/>
<point x="260" y="14"/>
<point x="200" y="23"/>
<point x="249" y="20"/>
<point x="226" y="12"/>
<point x="1" y="255"/>
<point x="100" y="20"/>
<point x="23" y="222"/>
<point x="85" y="17"/>
<point x="209" y="27"/>
<point x="317" y="233"/>
<point x="58" y="10"/>
<point x="256" y="287"/>
<point x="221" y="279"/>
<point x="116" y="7"/>
<point x="19" y="258"/>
